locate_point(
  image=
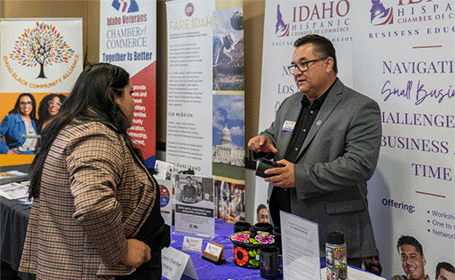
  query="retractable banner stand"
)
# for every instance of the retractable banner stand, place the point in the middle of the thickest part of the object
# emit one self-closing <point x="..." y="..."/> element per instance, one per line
<point x="285" y="22"/>
<point x="128" y="39"/>
<point x="205" y="122"/>
<point x="40" y="61"/>
<point x="405" y="59"/>
<point x="400" y="53"/>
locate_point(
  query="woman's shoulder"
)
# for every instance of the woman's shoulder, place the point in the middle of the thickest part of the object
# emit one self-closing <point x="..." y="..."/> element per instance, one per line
<point x="13" y="117"/>
<point x="91" y="135"/>
<point x="77" y="129"/>
<point x="91" y="126"/>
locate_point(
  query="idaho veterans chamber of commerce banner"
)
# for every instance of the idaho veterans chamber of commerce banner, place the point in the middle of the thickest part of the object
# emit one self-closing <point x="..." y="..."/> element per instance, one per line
<point x="128" y="39"/>
<point x="285" y="22"/>
<point x="205" y="122"/>
<point x="40" y="62"/>
<point x="405" y="60"/>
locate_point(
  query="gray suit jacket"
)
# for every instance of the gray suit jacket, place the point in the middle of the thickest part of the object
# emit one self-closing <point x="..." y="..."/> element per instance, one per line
<point x="337" y="158"/>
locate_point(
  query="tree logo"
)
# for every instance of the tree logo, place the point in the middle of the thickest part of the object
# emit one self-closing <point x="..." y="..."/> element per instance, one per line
<point x="41" y="45"/>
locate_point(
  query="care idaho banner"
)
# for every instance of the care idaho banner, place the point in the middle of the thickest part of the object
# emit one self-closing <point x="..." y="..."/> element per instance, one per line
<point x="405" y="59"/>
<point x="206" y="121"/>
<point x="40" y="62"/>
<point x="128" y="39"/>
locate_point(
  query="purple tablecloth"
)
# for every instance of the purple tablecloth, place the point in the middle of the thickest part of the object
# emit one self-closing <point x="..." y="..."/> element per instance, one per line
<point x="207" y="270"/>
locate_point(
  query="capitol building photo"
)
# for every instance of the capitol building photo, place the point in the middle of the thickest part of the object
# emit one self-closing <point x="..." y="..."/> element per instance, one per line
<point x="226" y="152"/>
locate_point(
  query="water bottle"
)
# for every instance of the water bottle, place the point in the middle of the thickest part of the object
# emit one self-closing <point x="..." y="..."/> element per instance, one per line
<point x="336" y="257"/>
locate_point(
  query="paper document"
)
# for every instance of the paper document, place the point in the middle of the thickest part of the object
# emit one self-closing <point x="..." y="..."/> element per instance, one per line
<point x="300" y="241"/>
<point x="13" y="191"/>
<point x="355" y="274"/>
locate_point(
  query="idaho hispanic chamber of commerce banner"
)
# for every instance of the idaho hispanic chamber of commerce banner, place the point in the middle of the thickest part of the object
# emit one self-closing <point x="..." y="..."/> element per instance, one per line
<point x="405" y="59"/>
<point x="128" y="39"/>
<point x="285" y="22"/>
<point x="206" y="85"/>
<point x="40" y="62"/>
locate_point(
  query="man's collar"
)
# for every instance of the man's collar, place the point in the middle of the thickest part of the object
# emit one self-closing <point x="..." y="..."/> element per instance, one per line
<point x="320" y="100"/>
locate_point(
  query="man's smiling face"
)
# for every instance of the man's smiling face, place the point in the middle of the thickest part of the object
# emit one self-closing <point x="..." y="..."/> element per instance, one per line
<point x="413" y="262"/>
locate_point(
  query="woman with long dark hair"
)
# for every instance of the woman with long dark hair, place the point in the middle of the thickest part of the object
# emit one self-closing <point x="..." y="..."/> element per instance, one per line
<point x="19" y="127"/>
<point x="96" y="211"/>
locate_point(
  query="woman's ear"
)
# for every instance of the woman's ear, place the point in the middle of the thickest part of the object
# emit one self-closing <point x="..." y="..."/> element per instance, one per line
<point x="111" y="95"/>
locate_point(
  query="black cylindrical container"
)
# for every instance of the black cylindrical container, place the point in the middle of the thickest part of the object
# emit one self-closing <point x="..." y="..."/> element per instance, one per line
<point x="264" y="227"/>
<point x="253" y="231"/>
<point x="241" y="226"/>
<point x="269" y="263"/>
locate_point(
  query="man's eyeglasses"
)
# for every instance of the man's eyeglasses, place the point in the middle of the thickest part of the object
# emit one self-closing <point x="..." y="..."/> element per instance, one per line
<point x="58" y="104"/>
<point x="303" y="66"/>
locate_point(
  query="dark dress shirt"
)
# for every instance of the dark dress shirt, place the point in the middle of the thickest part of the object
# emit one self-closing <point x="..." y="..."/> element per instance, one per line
<point x="280" y="199"/>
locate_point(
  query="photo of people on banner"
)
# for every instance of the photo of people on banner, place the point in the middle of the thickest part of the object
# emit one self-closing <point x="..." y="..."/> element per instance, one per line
<point x="228" y="56"/>
<point x="413" y="262"/>
<point x="194" y="204"/>
<point x="24" y="116"/>
<point x="189" y="189"/>
<point x="230" y="201"/>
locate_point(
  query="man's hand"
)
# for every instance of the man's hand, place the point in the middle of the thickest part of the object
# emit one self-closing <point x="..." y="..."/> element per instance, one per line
<point x="261" y="143"/>
<point x="137" y="254"/>
<point x="284" y="176"/>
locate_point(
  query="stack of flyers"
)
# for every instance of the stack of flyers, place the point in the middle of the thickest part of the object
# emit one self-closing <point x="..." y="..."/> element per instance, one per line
<point x="14" y="191"/>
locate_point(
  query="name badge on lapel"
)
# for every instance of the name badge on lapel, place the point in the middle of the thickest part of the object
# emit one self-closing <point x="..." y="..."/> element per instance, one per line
<point x="288" y="126"/>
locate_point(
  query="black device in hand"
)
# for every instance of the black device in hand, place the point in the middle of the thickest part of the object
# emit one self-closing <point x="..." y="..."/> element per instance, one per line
<point x="265" y="164"/>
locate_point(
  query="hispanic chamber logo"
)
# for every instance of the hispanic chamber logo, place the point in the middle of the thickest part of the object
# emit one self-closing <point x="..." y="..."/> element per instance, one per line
<point x="411" y="12"/>
<point x="412" y="18"/>
<point x="282" y="29"/>
<point x="128" y="6"/>
<point x="327" y="18"/>
<point x="379" y="14"/>
<point x="42" y="45"/>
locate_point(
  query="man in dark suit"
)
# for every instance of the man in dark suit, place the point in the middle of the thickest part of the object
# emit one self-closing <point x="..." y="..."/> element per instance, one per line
<point x="327" y="136"/>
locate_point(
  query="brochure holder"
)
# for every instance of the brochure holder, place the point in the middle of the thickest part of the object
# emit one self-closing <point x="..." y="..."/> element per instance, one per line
<point x="214" y="253"/>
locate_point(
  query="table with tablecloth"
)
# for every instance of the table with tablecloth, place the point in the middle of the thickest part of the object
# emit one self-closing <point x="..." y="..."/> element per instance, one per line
<point x="13" y="227"/>
<point x="229" y="270"/>
<point x="207" y="270"/>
